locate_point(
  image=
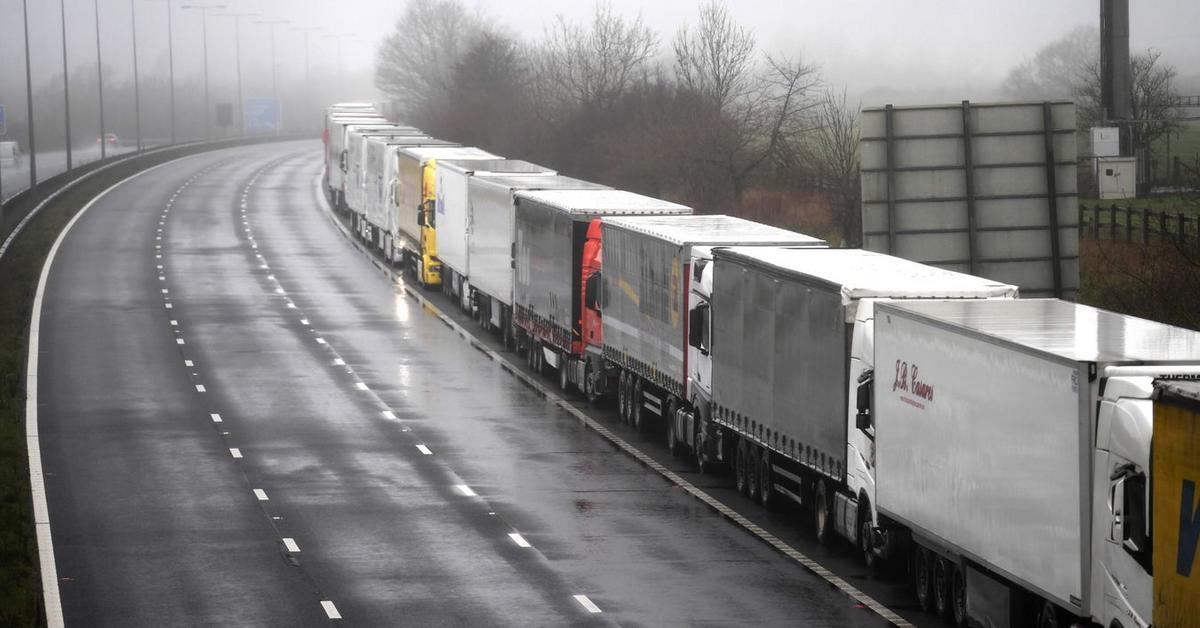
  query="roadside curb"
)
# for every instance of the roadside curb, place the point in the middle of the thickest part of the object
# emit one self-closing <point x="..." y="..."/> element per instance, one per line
<point x="775" y="542"/>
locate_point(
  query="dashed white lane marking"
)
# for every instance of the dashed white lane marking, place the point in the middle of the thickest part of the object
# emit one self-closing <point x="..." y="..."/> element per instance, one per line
<point x="168" y="306"/>
<point x="261" y="495"/>
<point x="235" y="452"/>
<point x="179" y="341"/>
<point x="174" y="323"/>
<point x="465" y="490"/>
<point x="388" y="414"/>
<point x="361" y="386"/>
<point x="189" y="363"/>
<point x="518" y="539"/>
<point x="587" y="604"/>
<point x="304" y="321"/>
<point x="291" y="546"/>
<point x="200" y="388"/>
<point x="216" y="418"/>
<point x="321" y="341"/>
<point x="425" y="450"/>
<point x="160" y="267"/>
<point x="339" y="362"/>
<point x="330" y="610"/>
<point x="166" y="291"/>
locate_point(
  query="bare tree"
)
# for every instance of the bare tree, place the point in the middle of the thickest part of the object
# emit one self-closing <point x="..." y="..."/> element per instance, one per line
<point x="591" y="68"/>
<point x="1058" y="69"/>
<point x="832" y="150"/>
<point x="415" y="65"/>
<point x="1154" y="98"/>
<point x="717" y="58"/>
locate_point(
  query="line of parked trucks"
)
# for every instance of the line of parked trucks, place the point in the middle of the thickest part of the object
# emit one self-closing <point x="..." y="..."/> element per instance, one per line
<point x="1030" y="461"/>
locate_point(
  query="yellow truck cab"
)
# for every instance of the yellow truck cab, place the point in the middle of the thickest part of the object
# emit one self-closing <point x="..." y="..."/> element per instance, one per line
<point x="1175" y="465"/>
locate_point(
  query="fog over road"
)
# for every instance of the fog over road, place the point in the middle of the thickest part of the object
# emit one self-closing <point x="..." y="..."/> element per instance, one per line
<point x="243" y="421"/>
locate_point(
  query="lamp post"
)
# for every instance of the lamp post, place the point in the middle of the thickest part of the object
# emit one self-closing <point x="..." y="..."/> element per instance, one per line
<point x="62" y="5"/>
<point x="137" y="96"/>
<point x="340" y="83"/>
<point x="237" y="48"/>
<point x="307" y="73"/>
<point x="100" y="83"/>
<point x="274" y="73"/>
<point x="204" y="9"/>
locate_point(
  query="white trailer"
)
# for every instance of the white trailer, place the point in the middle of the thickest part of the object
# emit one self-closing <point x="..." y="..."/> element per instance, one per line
<point x="1013" y="442"/>
<point x="454" y="223"/>
<point x="335" y="143"/>
<point x="786" y="333"/>
<point x="369" y="201"/>
<point x="492" y="247"/>
<point x="354" y="153"/>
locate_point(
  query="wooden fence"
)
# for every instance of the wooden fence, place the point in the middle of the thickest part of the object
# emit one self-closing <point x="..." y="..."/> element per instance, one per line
<point x="1131" y="224"/>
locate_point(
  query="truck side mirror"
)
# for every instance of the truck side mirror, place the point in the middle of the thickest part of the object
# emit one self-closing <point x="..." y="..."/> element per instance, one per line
<point x="342" y="161"/>
<point x="866" y="385"/>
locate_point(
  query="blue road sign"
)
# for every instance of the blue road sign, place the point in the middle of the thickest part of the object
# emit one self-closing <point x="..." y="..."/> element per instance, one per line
<point x="261" y="116"/>
<point x="3" y="121"/>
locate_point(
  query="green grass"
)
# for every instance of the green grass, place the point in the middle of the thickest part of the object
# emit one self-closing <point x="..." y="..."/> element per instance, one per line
<point x="1172" y="204"/>
<point x="1184" y="144"/>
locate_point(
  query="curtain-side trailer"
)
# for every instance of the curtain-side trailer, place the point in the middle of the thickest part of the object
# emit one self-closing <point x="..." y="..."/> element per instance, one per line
<point x="454" y="223"/>
<point x="412" y="199"/>
<point x="1013" y="450"/>
<point x="791" y="333"/>
<point x="335" y="144"/>
<point x="1175" y="465"/>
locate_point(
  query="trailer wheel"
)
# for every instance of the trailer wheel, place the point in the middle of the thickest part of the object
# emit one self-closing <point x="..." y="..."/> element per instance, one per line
<point x="958" y="598"/>
<point x="942" y="571"/>
<point x="753" y="458"/>
<point x="589" y="384"/>
<point x="766" y="481"/>
<point x="638" y="410"/>
<point x="822" y="519"/>
<point x="672" y="429"/>
<point x="564" y="379"/>
<point x="740" y="474"/>
<point x="623" y="396"/>
<point x="1048" y="617"/>
<point x="702" y="464"/>
<point x="922" y="582"/>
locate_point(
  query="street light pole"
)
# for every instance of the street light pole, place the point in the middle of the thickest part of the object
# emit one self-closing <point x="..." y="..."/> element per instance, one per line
<point x="274" y="73"/>
<point x="237" y="48"/>
<point x="100" y="82"/>
<point x="204" y="8"/>
<point x="171" y="67"/>
<point x="62" y="5"/>
<point x="137" y="98"/>
<point x="29" y="100"/>
<point x="307" y="75"/>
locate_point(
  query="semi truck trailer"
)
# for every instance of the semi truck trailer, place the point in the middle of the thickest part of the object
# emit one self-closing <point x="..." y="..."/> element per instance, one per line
<point x="1016" y="457"/>
<point x="370" y="201"/>
<point x="412" y="199"/>
<point x="555" y="228"/>
<point x="780" y="337"/>
<point x="335" y="141"/>
<point x="494" y="242"/>
<point x="354" y="156"/>
<point x="635" y="340"/>
<point x="454" y="216"/>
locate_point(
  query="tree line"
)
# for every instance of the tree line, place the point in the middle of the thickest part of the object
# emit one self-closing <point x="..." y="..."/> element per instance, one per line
<point x="706" y="118"/>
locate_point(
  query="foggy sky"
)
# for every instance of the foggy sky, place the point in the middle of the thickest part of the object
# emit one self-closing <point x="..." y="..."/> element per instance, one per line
<point x="909" y="51"/>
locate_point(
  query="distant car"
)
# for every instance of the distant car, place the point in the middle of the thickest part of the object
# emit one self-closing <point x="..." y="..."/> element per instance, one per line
<point x="111" y="139"/>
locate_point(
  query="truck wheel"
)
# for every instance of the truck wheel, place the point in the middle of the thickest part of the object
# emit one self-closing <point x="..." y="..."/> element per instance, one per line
<point x="922" y="582"/>
<point x="865" y="545"/>
<point x="740" y="481"/>
<point x="958" y="598"/>
<point x="702" y="464"/>
<point x="623" y="396"/>
<point x="942" y="571"/>
<point x="672" y="429"/>
<point x="638" y="411"/>
<point x="766" y="481"/>
<point x="1048" y="617"/>
<point x="589" y="385"/>
<point x="564" y="379"/>
<point x="822" y="519"/>
<point x="752" y="466"/>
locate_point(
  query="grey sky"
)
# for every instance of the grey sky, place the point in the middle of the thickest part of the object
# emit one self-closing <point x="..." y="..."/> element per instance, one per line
<point x="895" y="50"/>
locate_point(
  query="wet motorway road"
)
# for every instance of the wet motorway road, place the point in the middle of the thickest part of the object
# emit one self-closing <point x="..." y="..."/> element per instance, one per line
<point x="244" y="421"/>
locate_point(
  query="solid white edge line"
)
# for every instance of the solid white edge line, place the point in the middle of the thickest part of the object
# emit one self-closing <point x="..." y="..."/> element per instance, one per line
<point x="52" y="598"/>
<point x="587" y="604"/>
<point x="330" y="610"/>
<point x="738" y="519"/>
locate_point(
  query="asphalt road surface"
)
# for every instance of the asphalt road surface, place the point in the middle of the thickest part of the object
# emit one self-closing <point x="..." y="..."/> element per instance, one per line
<point x="245" y="422"/>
